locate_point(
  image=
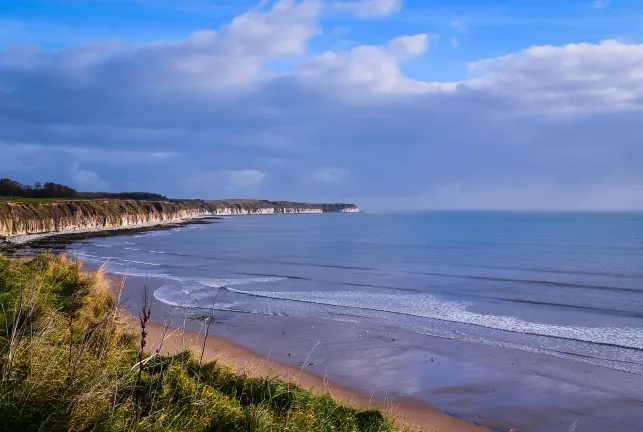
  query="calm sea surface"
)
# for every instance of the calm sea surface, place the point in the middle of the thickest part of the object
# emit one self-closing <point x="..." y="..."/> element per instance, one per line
<point x="567" y="286"/>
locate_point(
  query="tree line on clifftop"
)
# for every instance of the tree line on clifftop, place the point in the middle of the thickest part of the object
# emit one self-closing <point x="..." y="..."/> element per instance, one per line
<point x="14" y="189"/>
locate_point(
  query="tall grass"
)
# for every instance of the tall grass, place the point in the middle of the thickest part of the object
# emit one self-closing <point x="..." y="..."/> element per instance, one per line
<point x="68" y="362"/>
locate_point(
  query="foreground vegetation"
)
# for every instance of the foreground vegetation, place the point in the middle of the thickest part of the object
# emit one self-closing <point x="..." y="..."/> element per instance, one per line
<point x="69" y="362"/>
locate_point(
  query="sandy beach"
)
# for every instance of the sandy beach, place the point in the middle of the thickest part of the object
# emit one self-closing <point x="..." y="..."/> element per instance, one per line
<point x="414" y="415"/>
<point x="169" y="339"/>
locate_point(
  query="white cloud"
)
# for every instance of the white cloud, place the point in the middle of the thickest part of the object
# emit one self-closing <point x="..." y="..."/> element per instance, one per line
<point x="575" y="77"/>
<point x="369" y="8"/>
<point x="455" y="43"/>
<point x="404" y="47"/>
<point x="330" y="175"/>
<point x="375" y="68"/>
<point x="230" y="58"/>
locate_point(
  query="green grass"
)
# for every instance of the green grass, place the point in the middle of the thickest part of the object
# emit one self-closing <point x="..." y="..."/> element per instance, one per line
<point x="68" y="363"/>
<point x="37" y="200"/>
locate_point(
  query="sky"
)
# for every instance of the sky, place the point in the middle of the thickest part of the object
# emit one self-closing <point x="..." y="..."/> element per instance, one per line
<point x="391" y="104"/>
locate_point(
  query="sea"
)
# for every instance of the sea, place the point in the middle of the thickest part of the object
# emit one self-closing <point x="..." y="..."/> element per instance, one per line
<point x="560" y="292"/>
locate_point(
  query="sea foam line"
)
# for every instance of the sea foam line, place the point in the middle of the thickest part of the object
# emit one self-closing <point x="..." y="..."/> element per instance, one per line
<point x="428" y="306"/>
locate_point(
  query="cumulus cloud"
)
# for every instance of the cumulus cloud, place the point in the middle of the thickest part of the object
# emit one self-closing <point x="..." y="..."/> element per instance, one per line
<point x="575" y="77"/>
<point x="207" y="116"/>
<point x="374" y="68"/>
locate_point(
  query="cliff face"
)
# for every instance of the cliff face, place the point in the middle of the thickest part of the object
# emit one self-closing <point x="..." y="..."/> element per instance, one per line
<point x="232" y="207"/>
<point x="18" y="218"/>
<point x="66" y="216"/>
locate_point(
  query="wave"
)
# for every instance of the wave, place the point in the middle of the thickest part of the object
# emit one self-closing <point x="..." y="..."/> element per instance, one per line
<point x="567" y="305"/>
<point x="192" y="291"/>
<point x="85" y="256"/>
<point x="109" y="262"/>
<point x="547" y="282"/>
<point x="533" y="281"/>
<point x="555" y="271"/>
<point x="197" y="299"/>
<point x="354" y="284"/>
<point x="428" y="306"/>
<point x="619" y="365"/>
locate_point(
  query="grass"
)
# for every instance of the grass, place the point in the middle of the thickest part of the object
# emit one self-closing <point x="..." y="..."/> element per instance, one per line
<point x="68" y="361"/>
<point x="37" y="200"/>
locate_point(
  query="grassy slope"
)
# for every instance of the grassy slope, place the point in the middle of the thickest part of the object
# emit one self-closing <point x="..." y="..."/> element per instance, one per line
<point x="94" y="382"/>
<point x="37" y="200"/>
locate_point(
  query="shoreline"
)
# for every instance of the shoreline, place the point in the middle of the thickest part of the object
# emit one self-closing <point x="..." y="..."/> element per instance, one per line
<point x="26" y="239"/>
<point x="15" y="244"/>
<point x="416" y="415"/>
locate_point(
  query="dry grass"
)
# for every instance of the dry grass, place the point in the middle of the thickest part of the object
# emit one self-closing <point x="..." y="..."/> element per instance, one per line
<point x="67" y="362"/>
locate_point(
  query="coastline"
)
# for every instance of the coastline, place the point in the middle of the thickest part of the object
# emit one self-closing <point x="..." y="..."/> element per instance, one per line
<point x="26" y="222"/>
<point x="169" y="339"/>
<point x="73" y="235"/>
<point x="415" y="415"/>
<point x="58" y="239"/>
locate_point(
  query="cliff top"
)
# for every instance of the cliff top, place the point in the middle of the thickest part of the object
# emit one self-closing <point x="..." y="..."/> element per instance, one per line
<point x="238" y="201"/>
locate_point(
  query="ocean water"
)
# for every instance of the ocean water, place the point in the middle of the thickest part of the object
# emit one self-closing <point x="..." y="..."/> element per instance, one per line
<point x="563" y="285"/>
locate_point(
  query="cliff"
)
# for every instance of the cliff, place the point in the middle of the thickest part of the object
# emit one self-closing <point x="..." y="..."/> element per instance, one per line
<point x="20" y="218"/>
<point x="232" y="207"/>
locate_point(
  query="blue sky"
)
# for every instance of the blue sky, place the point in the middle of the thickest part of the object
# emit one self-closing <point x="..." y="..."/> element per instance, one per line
<point x="394" y="104"/>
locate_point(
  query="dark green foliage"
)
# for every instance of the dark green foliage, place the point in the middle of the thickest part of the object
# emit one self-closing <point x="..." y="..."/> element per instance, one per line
<point x="50" y="190"/>
<point x="11" y="188"/>
<point x="142" y="196"/>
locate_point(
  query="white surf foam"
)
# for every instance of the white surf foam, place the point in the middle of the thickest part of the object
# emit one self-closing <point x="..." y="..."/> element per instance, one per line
<point x="428" y="306"/>
<point x="200" y="292"/>
<point x="108" y="259"/>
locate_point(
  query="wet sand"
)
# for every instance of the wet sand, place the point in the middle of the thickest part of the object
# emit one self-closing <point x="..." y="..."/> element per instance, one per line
<point x="172" y="337"/>
<point x="417" y="416"/>
<point x="430" y="382"/>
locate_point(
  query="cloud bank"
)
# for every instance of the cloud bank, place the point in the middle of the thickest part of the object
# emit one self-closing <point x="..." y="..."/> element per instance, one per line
<point x="550" y="127"/>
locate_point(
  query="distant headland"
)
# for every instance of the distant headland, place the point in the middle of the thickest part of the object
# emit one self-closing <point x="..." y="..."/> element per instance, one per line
<point x="29" y="212"/>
